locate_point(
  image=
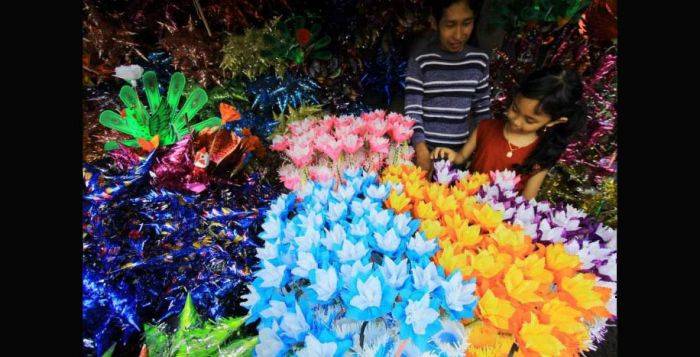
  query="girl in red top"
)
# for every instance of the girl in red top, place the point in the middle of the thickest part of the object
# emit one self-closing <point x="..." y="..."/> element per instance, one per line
<point x="540" y="123"/>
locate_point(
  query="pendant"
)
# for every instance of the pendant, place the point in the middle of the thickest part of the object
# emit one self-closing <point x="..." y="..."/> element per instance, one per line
<point x="509" y="154"/>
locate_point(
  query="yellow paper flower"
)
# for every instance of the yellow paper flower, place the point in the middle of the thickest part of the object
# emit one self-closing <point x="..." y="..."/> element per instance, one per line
<point x="485" y="341"/>
<point x="425" y="211"/>
<point x="432" y="228"/>
<point x="558" y="259"/>
<point x="489" y="262"/>
<point x="538" y="338"/>
<point x="399" y="203"/>
<point x="565" y="319"/>
<point x="487" y="217"/>
<point x="468" y="236"/>
<point x="435" y="191"/>
<point x="496" y="311"/>
<point x="450" y="261"/>
<point x="581" y="288"/>
<point x="511" y="238"/>
<point x="414" y="190"/>
<point x="446" y="204"/>
<point x="534" y="268"/>
<point x="524" y="291"/>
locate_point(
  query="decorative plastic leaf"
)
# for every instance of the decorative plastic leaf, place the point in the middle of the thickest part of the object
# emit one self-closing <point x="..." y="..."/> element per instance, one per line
<point x="150" y="87"/>
<point x="323" y="42"/>
<point x="197" y="99"/>
<point x="298" y="55"/>
<point x="322" y="55"/>
<point x="110" y="351"/>
<point x="175" y="88"/>
<point x="113" y="120"/>
<point x="241" y="347"/>
<point x="156" y="340"/>
<point x="131" y="100"/>
<point x="160" y="119"/>
<point x="112" y="145"/>
<point x="188" y="317"/>
<point x="211" y="122"/>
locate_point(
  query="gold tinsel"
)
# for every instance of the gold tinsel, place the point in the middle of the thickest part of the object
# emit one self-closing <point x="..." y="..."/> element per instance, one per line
<point x="242" y="53"/>
<point x="571" y="185"/>
<point x="291" y="115"/>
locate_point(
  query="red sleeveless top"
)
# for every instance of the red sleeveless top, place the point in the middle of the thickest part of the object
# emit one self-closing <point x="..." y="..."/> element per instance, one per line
<point x="492" y="147"/>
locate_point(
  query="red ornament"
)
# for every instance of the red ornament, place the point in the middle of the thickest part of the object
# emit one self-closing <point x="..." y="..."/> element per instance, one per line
<point x="303" y="36"/>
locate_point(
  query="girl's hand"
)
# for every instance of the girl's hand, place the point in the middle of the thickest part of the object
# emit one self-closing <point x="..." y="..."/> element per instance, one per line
<point x="448" y="154"/>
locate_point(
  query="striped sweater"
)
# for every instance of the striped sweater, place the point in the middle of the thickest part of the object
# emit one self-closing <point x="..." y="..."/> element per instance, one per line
<point x="447" y="94"/>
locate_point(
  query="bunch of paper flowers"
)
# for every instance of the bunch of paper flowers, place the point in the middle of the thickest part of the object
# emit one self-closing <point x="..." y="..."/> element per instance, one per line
<point x="321" y="149"/>
<point x="339" y="273"/>
<point x="548" y="297"/>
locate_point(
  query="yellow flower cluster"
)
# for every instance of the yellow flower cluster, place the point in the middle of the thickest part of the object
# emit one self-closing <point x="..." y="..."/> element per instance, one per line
<point x="530" y="294"/>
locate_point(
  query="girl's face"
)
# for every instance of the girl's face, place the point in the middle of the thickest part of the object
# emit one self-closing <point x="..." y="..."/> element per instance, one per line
<point x="456" y="26"/>
<point x="523" y="117"/>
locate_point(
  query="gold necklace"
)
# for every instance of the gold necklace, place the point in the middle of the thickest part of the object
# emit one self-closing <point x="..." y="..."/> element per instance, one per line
<point x="509" y="154"/>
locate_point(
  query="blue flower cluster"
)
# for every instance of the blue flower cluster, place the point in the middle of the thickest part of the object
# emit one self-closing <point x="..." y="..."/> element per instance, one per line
<point x="338" y="273"/>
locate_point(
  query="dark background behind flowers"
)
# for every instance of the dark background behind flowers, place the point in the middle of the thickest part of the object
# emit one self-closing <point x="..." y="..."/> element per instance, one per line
<point x="270" y="57"/>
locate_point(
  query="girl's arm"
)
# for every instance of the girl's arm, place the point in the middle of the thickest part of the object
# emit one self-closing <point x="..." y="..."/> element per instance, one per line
<point x="454" y="156"/>
<point x="532" y="186"/>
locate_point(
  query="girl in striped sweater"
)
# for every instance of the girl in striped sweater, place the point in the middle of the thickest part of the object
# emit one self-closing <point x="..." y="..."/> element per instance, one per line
<point x="447" y="84"/>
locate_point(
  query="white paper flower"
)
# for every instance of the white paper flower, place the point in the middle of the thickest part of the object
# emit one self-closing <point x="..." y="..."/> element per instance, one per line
<point x="394" y="274"/>
<point x="427" y="277"/>
<point x="369" y="293"/>
<point x="294" y="324"/>
<point x="271" y="275"/>
<point x="421" y="245"/>
<point x="387" y="242"/>
<point x="326" y="283"/>
<point x="351" y="252"/>
<point x="419" y="314"/>
<point x="334" y="237"/>
<point x="276" y="310"/>
<point x="457" y="294"/>
<point x="270" y="343"/>
<point x="305" y="263"/>
<point x="130" y="73"/>
<point x="348" y="271"/>
<point x="314" y="348"/>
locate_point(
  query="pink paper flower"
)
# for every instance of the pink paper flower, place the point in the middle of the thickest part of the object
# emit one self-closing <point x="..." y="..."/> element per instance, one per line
<point x="279" y="143"/>
<point x="300" y="154"/>
<point x="320" y="173"/>
<point x="358" y="127"/>
<point x="379" y="144"/>
<point x="378" y="127"/>
<point x="329" y="146"/>
<point x="352" y="143"/>
<point x="290" y="176"/>
<point x="400" y="133"/>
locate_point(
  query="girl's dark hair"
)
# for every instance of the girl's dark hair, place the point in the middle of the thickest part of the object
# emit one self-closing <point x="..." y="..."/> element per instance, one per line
<point x="559" y="93"/>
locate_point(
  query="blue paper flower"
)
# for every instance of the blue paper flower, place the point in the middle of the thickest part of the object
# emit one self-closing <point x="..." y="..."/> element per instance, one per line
<point x="324" y="283"/>
<point x="426" y="278"/>
<point x="388" y="243"/>
<point x="418" y="318"/>
<point x="361" y="207"/>
<point x="272" y="228"/>
<point x="351" y="252"/>
<point x="349" y="271"/>
<point x="272" y="276"/>
<point x="337" y="211"/>
<point x="368" y="297"/>
<point x="305" y="263"/>
<point x="294" y="325"/>
<point x="378" y="192"/>
<point x="420" y="249"/>
<point x="334" y="237"/>
<point x="395" y="274"/>
<point x="457" y="296"/>
<point x="404" y="225"/>
<point x="270" y="344"/>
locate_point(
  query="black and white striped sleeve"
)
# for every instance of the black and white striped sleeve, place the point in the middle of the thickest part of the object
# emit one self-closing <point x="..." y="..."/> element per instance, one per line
<point x="414" y="99"/>
<point x="481" y="106"/>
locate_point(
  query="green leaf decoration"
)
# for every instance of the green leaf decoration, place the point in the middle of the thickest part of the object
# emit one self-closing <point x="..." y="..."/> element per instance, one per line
<point x="298" y="55"/>
<point x="177" y="85"/>
<point x="240" y="348"/>
<point x="150" y="87"/>
<point x="211" y="122"/>
<point x="110" y="351"/>
<point x="132" y="102"/>
<point x="160" y="120"/>
<point x="323" y="42"/>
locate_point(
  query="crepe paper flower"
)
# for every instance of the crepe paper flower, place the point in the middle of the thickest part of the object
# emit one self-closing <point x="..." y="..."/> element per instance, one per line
<point x="513" y="240"/>
<point x="418" y="318"/>
<point x="368" y="297"/>
<point x="459" y="297"/>
<point x="361" y="207"/>
<point x="450" y="261"/>
<point x="609" y="269"/>
<point x="378" y="127"/>
<point x="419" y="247"/>
<point x="333" y="238"/>
<point x="487" y="217"/>
<point x="485" y="340"/>
<point x="359" y="229"/>
<point x="344" y="193"/>
<point x="538" y="338"/>
<point x="432" y="228"/>
<point x="549" y="234"/>
<point x="388" y="243"/>
<point x="395" y="274"/>
<point x="585" y="295"/>
<point x="255" y="300"/>
<point x="451" y="340"/>
<point x="351" y="143"/>
<point x="533" y="267"/>
<point x="469" y="236"/>
<point x="558" y="260"/>
<point x="336" y="211"/>
<point x="267" y="252"/>
<point x="377" y="192"/>
<point x="561" y="219"/>
<point x="324" y="282"/>
<point x="565" y="319"/>
<point x="589" y="253"/>
<point x="519" y="288"/>
<point x="270" y="344"/>
<point x="379" y="219"/>
<point x="506" y="179"/>
<point x="294" y="325"/>
<point x="309" y="240"/>
<point x="490" y="262"/>
<point x="300" y="154"/>
<point x="496" y="311"/>
<point x="279" y="143"/>
<point x="426" y="278"/>
<point x="352" y="252"/>
<point x="320" y="173"/>
<point x="272" y="276"/>
<point x="400" y="133"/>
<point x="349" y="271"/>
<point x="404" y="225"/>
<point x="398" y="202"/>
<point x="378" y="144"/>
<point x="304" y="264"/>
